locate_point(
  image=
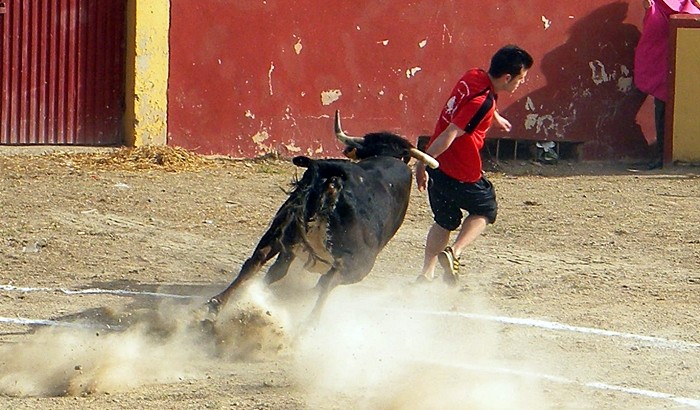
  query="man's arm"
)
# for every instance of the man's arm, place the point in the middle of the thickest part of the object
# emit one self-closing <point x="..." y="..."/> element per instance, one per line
<point x="440" y="145"/>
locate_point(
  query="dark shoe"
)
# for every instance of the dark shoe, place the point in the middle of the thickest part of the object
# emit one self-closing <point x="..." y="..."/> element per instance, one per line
<point x="450" y="266"/>
<point x="656" y="164"/>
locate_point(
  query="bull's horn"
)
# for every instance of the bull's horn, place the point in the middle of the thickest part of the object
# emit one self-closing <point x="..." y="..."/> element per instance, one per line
<point x="342" y="136"/>
<point x="422" y="156"/>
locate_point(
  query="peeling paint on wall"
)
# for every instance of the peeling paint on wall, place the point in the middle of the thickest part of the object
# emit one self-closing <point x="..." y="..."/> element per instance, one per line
<point x="311" y="152"/>
<point x="269" y="75"/>
<point x="411" y="72"/>
<point x="288" y="116"/>
<point x="542" y="124"/>
<point x="330" y="96"/>
<point x="291" y="147"/>
<point x="624" y="83"/>
<point x="546" y="22"/>
<point x="423" y="43"/>
<point x="260" y="137"/>
<point x="598" y="73"/>
<point x="529" y="105"/>
<point x="298" y="46"/>
<point x="383" y="42"/>
<point x="249" y="114"/>
<point x="446" y="35"/>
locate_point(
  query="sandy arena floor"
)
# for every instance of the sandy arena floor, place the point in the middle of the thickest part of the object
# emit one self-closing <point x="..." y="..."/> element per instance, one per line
<point x="584" y="294"/>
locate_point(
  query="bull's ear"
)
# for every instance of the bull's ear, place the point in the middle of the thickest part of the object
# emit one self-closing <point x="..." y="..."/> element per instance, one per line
<point x="302" y="161"/>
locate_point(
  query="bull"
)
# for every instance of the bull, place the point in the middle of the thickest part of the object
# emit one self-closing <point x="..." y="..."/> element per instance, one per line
<point x="339" y="215"/>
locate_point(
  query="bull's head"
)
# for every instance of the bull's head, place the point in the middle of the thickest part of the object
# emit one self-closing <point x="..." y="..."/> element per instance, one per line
<point x="380" y="144"/>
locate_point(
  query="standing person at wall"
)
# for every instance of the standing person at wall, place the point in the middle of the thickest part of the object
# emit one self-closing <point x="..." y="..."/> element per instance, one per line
<point x="459" y="183"/>
<point x="651" y="60"/>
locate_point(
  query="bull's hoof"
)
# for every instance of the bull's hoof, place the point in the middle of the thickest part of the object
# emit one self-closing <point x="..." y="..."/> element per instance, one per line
<point x="214" y="305"/>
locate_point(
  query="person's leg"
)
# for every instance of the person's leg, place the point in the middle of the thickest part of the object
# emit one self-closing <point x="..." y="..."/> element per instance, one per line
<point x="472" y="227"/>
<point x="437" y="239"/>
<point x="660" y="123"/>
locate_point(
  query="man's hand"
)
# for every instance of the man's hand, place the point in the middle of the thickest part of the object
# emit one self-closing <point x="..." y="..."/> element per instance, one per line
<point x="503" y="123"/>
<point x="421" y="176"/>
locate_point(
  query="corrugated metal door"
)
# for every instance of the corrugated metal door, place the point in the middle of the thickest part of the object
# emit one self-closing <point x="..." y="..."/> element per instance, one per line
<point x="62" y="71"/>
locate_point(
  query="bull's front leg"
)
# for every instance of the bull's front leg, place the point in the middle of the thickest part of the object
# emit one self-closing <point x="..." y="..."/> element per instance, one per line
<point x="279" y="269"/>
<point x="326" y="283"/>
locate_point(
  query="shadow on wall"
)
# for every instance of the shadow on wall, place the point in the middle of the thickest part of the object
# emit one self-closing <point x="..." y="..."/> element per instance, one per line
<point x="589" y="96"/>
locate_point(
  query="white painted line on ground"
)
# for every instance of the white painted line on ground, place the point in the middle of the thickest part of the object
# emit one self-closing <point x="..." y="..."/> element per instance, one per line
<point x="687" y="401"/>
<point x="46" y="322"/>
<point x="94" y="291"/>
<point x="658" y="341"/>
<point x="543" y="324"/>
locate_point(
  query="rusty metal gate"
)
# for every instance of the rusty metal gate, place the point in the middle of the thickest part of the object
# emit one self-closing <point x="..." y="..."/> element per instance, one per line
<point x="62" y="71"/>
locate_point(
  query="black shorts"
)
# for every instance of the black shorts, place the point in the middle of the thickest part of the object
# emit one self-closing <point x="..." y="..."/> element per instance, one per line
<point x="448" y="197"/>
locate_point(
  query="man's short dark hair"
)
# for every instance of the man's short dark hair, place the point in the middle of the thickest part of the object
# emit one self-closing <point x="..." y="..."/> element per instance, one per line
<point x="510" y="59"/>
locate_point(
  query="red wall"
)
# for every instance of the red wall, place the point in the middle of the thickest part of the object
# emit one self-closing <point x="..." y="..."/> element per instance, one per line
<point x="249" y="77"/>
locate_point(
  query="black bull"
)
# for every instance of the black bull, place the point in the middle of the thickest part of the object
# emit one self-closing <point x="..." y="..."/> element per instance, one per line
<point x="339" y="216"/>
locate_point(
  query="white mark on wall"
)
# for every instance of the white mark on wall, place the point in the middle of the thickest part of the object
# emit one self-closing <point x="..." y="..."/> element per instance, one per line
<point x="529" y="105"/>
<point x="383" y="42"/>
<point x="411" y="72"/>
<point x="298" y="46"/>
<point x="446" y="35"/>
<point x="541" y="123"/>
<point x="291" y="147"/>
<point x="289" y="116"/>
<point x="358" y="28"/>
<point x="401" y="97"/>
<point x="269" y="75"/>
<point x="624" y="83"/>
<point x="249" y="114"/>
<point x="330" y="96"/>
<point x="423" y="43"/>
<point x="219" y="61"/>
<point x="261" y="137"/>
<point x="381" y="92"/>
<point x="303" y="93"/>
<point x="546" y="22"/>
<point x="598" y="73"/>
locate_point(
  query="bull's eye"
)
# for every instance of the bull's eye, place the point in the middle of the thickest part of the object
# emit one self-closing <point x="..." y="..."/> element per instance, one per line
<point x="350" y="153"/>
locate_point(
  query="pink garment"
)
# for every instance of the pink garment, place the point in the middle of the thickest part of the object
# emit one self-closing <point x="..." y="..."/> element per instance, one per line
<point x="680" y="6"/>
<point x="651" y="55"/>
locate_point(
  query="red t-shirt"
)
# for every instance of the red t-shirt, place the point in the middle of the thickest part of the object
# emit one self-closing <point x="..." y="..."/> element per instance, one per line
<point x="461" y="160"/>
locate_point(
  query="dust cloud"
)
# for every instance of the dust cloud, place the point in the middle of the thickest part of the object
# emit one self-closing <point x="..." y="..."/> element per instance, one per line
<point x="125" y="350"/>
<point x="385" y="349"/>
<point x="154" y="346"/>
<point x="376" y="348"/>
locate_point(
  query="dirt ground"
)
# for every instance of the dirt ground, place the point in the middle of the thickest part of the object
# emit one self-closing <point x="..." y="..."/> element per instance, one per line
<point x="584" y="294"/>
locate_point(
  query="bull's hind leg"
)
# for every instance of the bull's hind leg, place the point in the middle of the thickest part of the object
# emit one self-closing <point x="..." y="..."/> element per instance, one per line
<point x="262" y="254"/>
